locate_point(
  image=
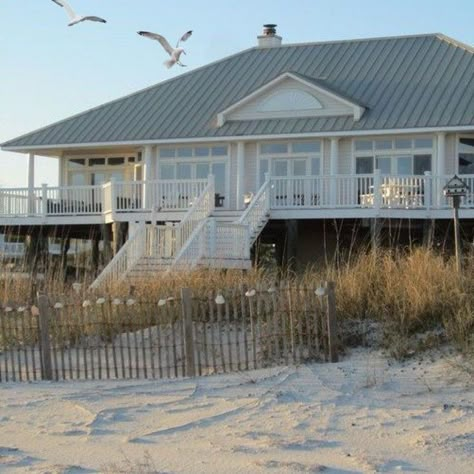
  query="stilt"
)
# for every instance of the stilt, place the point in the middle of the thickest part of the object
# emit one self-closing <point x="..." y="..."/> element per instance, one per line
<point x="119" y="233"/>
<point x="428" y="233"/>
<point x="65" y="246"/>
<point x="95" y="253"/>
<point x="106" y="231"/>
<point x="291" y="247"/>
<point x="375" y="233"/>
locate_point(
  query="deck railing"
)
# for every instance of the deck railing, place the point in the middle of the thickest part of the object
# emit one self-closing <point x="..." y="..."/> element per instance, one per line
<point x="364" y="191"/>
<point x="307" y="192"/>
<point x="257" y="213"/>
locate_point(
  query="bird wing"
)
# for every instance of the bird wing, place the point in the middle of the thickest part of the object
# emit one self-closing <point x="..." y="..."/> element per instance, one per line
<point x="95" y="18"/>
<point x="162" y="40"/>
<point x="185" y="37"/>
<point x="70" y="12"/>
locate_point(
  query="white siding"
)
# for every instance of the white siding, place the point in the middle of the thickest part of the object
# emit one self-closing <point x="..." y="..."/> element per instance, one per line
<point x="451" y="154"/>
<point x="345" y="165"/>
<point x="250" y="168"/>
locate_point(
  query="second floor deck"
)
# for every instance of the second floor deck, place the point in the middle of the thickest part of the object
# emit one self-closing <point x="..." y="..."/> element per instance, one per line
<point x="313" y="197"/>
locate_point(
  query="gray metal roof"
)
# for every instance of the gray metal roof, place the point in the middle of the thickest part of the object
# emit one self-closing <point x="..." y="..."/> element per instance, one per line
<point x="405" y="82"/>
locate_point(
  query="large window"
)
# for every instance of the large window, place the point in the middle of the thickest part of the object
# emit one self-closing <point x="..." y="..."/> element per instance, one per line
<point x="466" y="156"/>
<point x="100" y="169"/>
<point x="293" y="159"/>
<point x="400" y="156"/>
<point x="196" y="163"/>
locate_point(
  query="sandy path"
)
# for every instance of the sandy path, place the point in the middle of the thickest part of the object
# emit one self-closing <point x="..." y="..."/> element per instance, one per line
<point x="361" y="415"/>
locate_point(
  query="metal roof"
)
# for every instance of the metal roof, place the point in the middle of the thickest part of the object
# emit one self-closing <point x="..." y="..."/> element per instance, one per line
<point x="405" y="82"/>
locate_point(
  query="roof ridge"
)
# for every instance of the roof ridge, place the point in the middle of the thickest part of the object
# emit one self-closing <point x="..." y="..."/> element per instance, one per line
<point x="374" y="38"/>
<point x="455" y="42"/>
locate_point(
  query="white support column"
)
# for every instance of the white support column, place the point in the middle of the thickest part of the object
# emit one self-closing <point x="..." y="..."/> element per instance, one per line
<point x="333" y="159"/>
<point x="240" y="175"/>
<point x="148" y="175"/>
<point x="31" y="183"/>
<point x="440" y="167"/>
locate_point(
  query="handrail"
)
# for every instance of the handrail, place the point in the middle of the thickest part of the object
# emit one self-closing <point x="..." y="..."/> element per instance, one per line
<point x="124" y="259"/>
<point x="257" y="211"/>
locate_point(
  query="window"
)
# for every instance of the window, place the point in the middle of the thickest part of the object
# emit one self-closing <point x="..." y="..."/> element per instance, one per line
<point x="400" y="156"/>
<point x="167" y="171"/>
<point x="167" y="153"/>
<point x="364" y="165"/>
<point x="198" y="152"/>
<point x="96" y="161"/>
<point x="421" y="164"/>
<point x="276" y="148"/>
<point x="384" y="164"/>
<point x="77" y="163"/>
<point x="116" y="161"/>
<point x="306" y="147"/>
<point x="363" y="145"/>
<point x="466" y="156"/>
<point x="383" y="144"/>
<point x="293" y="159"/>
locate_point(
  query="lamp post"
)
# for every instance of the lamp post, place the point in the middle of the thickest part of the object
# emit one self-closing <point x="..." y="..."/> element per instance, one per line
<point x="456" y="188"/>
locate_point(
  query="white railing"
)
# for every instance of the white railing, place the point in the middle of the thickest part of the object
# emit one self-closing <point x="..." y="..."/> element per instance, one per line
<point x="18" y="202"/>
<point x="257" y="212"/>
<point x="200" y="210"/>
<point x="73" y="200"/>
<point x="130" y="253"/>
<point x="162" y="195"/>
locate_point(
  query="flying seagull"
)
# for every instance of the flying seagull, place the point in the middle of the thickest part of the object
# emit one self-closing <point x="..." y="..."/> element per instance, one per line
<point x="75" y="19"/>
<point x="174" y="53"/>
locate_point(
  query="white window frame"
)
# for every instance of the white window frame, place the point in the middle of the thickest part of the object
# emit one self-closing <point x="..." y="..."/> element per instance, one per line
<point x="289" y="155"/>
<point x="194" y="160"/>
<point x="393" y="152"/>
<point x="457" y="149"/>
<point x="127" y="168"/>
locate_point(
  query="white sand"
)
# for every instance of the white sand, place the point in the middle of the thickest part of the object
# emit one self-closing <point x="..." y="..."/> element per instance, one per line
<point x="364" y="414"/>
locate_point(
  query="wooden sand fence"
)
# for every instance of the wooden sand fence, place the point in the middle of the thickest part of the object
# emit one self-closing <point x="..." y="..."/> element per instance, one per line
<point x="226" y="331"/>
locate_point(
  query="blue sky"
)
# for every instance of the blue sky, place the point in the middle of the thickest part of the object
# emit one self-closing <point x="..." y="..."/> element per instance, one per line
<point x="50" y="71"/>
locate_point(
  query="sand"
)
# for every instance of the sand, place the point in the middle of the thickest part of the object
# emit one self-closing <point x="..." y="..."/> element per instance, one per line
<point x="364" y="414"/>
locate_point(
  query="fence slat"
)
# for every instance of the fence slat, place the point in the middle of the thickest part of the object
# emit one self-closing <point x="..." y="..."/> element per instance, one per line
<point x="187" y="318"/>
<point x="44" y="316"/>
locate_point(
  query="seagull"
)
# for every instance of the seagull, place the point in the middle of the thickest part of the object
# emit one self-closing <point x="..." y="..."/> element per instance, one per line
<point x="174" y="53"/>
<point x="75" y="19"/>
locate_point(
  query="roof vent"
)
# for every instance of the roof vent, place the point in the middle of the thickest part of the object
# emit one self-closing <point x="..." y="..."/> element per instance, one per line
<point x="269" y="38"/>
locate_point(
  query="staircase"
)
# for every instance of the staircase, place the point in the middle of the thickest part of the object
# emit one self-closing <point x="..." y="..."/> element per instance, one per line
<point x="204" y="238"/>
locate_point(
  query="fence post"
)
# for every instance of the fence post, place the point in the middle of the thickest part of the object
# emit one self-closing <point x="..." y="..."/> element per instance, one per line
<point x="44" y="316"/>
<point x="187" y="311"/>
<point x="331" y="321"/>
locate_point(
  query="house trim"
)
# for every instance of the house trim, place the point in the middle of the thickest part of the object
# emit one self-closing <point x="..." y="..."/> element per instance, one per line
<point x="246" y="138"/>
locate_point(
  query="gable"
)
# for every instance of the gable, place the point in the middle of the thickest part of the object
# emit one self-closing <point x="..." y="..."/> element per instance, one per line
<point x="291" y="96"/>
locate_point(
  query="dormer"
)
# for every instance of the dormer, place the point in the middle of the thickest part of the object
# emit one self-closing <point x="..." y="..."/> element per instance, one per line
<point x="291" y="95"/>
